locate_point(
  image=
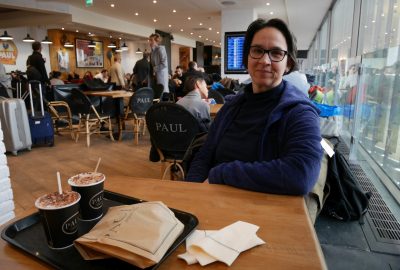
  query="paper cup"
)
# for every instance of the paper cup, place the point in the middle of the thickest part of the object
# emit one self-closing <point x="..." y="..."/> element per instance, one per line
<point x="59" y="214"/>
<point x="91" y="188"/>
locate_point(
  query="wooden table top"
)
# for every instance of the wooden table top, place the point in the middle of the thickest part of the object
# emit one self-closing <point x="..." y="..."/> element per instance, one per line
<point x="111" y="94"/>
<point x="214" y="108"/>
<point x="291" y="242"/>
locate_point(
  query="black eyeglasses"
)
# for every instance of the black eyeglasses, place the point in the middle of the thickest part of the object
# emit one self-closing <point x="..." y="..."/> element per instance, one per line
<point x="275" y="55"/>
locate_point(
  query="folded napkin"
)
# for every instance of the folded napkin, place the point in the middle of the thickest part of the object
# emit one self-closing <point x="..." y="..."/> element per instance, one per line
<point x="139" y="234"/>
<point x="224" y="245"/>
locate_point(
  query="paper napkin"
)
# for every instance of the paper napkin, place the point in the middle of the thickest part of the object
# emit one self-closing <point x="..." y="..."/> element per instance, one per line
<point x="224" y="245"/>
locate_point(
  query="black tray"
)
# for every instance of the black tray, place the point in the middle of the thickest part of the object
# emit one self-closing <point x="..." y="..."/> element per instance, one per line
<point x="28" y="235"/>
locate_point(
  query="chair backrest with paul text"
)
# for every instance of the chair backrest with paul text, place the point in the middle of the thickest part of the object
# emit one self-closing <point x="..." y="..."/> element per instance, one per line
<point x="80" y="103"/>
<point x="141" y="100"/>
<point x="172" y="128"/>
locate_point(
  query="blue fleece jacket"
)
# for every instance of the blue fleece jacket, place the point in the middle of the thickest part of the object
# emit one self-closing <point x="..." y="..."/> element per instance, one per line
<point x="289" y="155"/>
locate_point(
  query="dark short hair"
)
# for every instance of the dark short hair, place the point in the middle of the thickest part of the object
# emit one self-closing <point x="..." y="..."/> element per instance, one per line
<point x="179" y="66"/>
<point x="36" y="46"/>
<point x="192" y="64"/>
<point x="279" y="25"/>
<point x="190" y="82"/>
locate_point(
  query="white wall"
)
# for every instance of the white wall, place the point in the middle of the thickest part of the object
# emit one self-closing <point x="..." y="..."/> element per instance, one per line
<point x="25" y="49"/>
<point x="174" y="56"/>
<point x="130" y="57"/>
<point x="233" y="21"/>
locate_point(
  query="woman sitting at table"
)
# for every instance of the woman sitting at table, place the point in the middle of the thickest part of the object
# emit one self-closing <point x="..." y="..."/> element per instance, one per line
<point x="266" y="139"/>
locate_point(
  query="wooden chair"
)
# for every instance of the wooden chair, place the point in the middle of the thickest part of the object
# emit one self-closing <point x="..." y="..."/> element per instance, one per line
<point x="138" y="105"/>
<point x="89" y="118"/>
<point x="62" y="117"/>
<point x="172" y="129"/>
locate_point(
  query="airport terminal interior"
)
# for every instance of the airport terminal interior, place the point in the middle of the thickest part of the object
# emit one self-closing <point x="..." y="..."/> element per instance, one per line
<point x="348" y="51"/>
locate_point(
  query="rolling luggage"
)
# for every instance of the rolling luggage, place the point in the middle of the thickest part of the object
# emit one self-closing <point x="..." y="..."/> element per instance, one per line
<point x="14" y="122"/>
<point x="42" y="131"/>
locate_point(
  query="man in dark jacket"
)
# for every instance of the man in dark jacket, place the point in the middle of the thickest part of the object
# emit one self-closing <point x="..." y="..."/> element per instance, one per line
<point x="141" y="70"/>
<point x="37" y="61"/>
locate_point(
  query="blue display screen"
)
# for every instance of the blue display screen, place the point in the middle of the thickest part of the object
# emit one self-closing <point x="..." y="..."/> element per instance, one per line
<point x="234" y="42"/>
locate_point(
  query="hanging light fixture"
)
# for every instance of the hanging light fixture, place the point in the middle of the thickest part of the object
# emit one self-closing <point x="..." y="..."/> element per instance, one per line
<point x="92" y="44"/>
<point x="124" y="47"/>
<point x="28" y="39"/>
<point x="112" y="45"/>
<point x="68" y="44"/>
<point x="5" y="36"/>
<point x="119" y="49"/>
<point x="46" y="41"/>
<point x="138" y="50"/>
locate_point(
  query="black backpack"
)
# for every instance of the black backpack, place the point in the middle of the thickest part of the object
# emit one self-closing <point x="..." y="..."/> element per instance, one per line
<point x="346" y="201"/>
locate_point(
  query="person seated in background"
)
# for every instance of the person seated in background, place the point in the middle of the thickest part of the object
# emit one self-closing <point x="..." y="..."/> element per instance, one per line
<point x="177" y="79"/>
<point x="192" y="70"/>
<point x="88" y="75"/>
<point x="195" y="90"/>
<point x="103" y="75"/>
<point x="55" y="79"/>
<point x="268" y="138"/>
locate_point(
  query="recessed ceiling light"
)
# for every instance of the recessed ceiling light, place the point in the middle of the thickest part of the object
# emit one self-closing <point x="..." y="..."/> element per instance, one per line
<point x="272" y="13"/>
<point x="154" y="1"/>
<point x="267" y="4"/>
<point x="191" y="33"/>
<point x="136" y="14"/>
<point x="199" y="36"/>
<point x="181" y="30"/>
<point x="112" y="5"/>
<point x="62" y="28"/>
<point x="77" y="30"/>
<point x="154" y="20"/>
<point x="110" y="36"/>
<point x="169" y="25"/>
<point x="213" y="41"/>
<point x="373" y="21"/>
<point x="200" y="23"/>
<point x="383" y="14"/>
<point x="210" y="28"/>
<point x="217" y="32"/>
<point x="189" y="18"/>
<point x="174" y="10"/>
<point x="206" y="38"/>
<point x="120" y="38"/>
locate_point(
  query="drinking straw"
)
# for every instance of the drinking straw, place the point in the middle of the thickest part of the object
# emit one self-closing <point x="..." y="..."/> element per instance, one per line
<point x="97" y="166"/>
<point x="59" y="183"/>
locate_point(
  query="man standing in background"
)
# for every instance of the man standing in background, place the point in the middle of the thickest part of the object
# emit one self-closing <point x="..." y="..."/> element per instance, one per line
<point x="141" y="71"/>
<point x="117" y="74"/>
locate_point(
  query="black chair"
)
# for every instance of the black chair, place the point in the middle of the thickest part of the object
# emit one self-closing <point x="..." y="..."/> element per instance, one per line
<point x="158" y="90"/>
<point x="218" y="97"/>
<point x="225" y="91"/>
<point x="139" y="104"/>
<point x="89" y="118"/>
<point x="172" y="129"/>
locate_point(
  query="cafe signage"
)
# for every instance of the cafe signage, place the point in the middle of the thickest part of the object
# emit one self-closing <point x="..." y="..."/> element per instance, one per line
<point x="8" y="52"/>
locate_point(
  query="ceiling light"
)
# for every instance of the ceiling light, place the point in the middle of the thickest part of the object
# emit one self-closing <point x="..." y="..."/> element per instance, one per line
<point x="154" y="20"/>
<point x="138" y="51"/>
<point x="169" y="25"/>
<point x="28" y="39"/>
<point x="174" y="10"/>
<point x="62" y="28"/>
<point x="118" y="50"/>
<point x="272" y="13"/>
<point x="217" y="32"/>
<point x="189" y="18"/>
<point x="210" y="28"/>
<point x="181" y="30"/>
<point x="136" y="14"/>
<point x="267" y="4"/>
<point x="124" y="47"/>
<point x="154" y="1"/>
<point x="200" y="23"/>
<point x="46" y="41"/>
<point x="110" y="36"/>
<point x="68" y="44"/>
<point x="191" y="33"/>
<point x="206" y="38"/>
<point x="92" y="44"/>
<point x="77" y="30"/>
<point x="112" y="45"/>
<point x="5" y="36"/>
<point x="112" y="5"/>
<point x="199" y="36"/>
<point x="120" y="38"/>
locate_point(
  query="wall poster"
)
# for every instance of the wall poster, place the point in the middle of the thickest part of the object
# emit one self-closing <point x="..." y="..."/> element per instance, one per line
<point x="87" y="57"/>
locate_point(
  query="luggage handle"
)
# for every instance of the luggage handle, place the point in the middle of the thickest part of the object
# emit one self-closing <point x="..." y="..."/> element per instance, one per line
<point x="40" y="96"/>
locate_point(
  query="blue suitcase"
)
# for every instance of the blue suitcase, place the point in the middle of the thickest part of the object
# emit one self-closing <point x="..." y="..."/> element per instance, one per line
<point x="41" y="126"/>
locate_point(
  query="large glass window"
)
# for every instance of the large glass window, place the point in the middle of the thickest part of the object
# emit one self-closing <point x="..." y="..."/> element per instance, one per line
<point x="379" y="91"/>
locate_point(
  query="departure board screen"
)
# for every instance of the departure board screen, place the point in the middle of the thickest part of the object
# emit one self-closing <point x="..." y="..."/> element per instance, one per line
<point x="234" y="45"/>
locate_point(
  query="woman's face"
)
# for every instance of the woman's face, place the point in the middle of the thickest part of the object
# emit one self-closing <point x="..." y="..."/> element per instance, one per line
<point x="264" y="73"/>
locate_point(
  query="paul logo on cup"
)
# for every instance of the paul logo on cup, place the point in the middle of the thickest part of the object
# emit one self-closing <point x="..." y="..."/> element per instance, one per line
<point x="59" y="213"/>
<point x="90" y="186"/>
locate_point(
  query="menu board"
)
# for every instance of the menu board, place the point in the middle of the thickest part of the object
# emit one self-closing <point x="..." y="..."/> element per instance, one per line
<point x="234" y="45"/>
